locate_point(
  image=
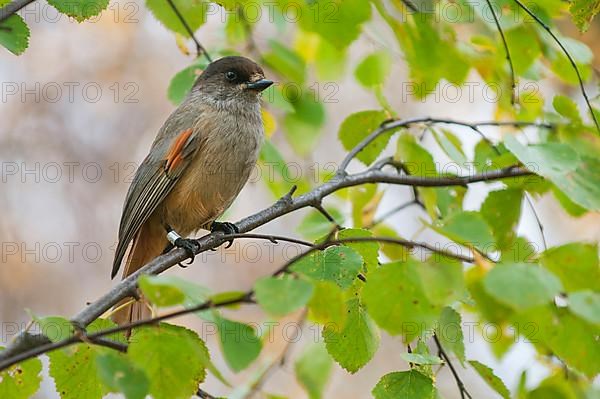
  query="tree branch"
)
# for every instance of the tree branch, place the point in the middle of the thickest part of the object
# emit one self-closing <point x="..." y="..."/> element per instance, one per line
<point x="395" y="124"/>
<point x="96" y="337"/>
<point x="12" y="7"/>
<point x="31" y="343"/>
<point x="461" y="386"/>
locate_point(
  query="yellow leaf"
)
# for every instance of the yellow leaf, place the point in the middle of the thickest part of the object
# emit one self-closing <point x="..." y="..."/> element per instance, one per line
<point x="269" y="122"/>
<point x="306" y="45"/>
<point x="180" y="41"/>
<point x="368" y="211"/>
<point x="481" y="261"/>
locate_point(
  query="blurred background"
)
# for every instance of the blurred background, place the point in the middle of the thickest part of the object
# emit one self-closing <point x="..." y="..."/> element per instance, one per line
<point x="79" y="110"/>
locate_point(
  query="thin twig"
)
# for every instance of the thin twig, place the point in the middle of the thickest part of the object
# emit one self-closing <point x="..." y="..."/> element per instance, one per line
<point x="392" y="212"/>
<point x="74" y="339"/>
<point x="459" y="383"/>
<point x="319" y="207"/>
<point x="537" y="220"/>
<point x="513" y="96"/>
<point x="200" y="50"/>
<point x="118" y="346"/>
<point x="571" y="60"/>
<point x="396" y="124"/>
<point x="410" y="6"/>
<point x="276" y="363"/>
<point x="12" y="7"/>
<point x="204" y="395"/>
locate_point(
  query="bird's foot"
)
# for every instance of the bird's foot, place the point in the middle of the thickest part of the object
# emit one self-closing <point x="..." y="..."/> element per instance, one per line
<point x="189" y="245"/>
<point x="226" y="228"/>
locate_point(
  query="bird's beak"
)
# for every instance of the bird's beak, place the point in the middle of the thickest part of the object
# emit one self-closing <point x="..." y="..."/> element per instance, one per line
<point x="259" y="85"/>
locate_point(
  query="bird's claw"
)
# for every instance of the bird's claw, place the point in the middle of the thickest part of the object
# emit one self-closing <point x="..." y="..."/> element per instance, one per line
<point x="226" y="228"/>
<point x="190" y="246"/>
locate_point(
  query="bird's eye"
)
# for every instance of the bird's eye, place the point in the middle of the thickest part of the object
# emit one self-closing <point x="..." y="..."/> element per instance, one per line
<point x="231" y="76"/>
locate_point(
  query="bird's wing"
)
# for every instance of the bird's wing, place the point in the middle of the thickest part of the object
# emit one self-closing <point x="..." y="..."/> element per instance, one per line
<point x="153" y="181"/>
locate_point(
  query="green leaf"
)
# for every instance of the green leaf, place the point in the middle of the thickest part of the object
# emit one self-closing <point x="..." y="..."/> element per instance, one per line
<point x="74" y="368"/>
<point x="359" y="125"/>
<point x="160" y="291"/>
<point x="364" y="199"/>
<point x="567" y="336"/>
<point x="14" y="34"/>
<point x="302" y="127"/>
<point x="567" y="108"/>
<point x="313" y="369"/>
<point x="182" y="82"/>
<point x="354" y="344"/>
<point x="486" y="158"/>
<point x="373" y="69"/>
<point x="468" y="228"/>
<point x="586" y="304"/>
<point x="395" y="298"/>
<point x="286" y="62"/>
<point x="314" y="225"/>
<point x="339" y="264"/>
<point x="392" y="251"/>
<point x="568" y="205"/>
<point x="521" y="285"/>
<point x="193" y="10"/>
<point x="330" y="62"/>
<point x="172" y="359"/>
<point x="75" y="374"/>
<point x="56" y="328"/>
<point x="80" y="9"/>
<point x="524" y="47"/>
<point x="22" y="380"/>
<point x="492" y="380"/>
<point x="449" y="333"/>
<point x="451" y="145"/>
<point x="369" y="251"/>
<point x="279" y="182"/>
<point x="583" y="11"/>
<point x="119" y="374"/>
<point x="337" y="21"/>
<point x="419" y="358"/>
<point x="577" y="176"/>
<point x="502" y="210"/>
<point x="239" y="343"/>
<point x="417" y="161"/>
<point x="327" y="304"/>
<point x="404" y="384"/>
<point x="443" y="278"/>
<point x="575" y="264"/>
<point x="280" y="296"/>
<point x="432" y="52"/>
<point x="172" y="290"/>
<point x="275" y="96"/>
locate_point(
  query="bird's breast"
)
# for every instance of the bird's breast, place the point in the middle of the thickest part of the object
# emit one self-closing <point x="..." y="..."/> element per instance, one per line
<point x="218" y="171"/>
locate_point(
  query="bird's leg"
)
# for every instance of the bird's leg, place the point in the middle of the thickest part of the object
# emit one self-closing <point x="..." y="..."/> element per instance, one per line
<point x="175" y="240"/>
<point x="226" y="228"/>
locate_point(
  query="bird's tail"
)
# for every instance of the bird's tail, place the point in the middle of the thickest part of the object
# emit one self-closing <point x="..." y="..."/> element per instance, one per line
<point x="146" y="246"/>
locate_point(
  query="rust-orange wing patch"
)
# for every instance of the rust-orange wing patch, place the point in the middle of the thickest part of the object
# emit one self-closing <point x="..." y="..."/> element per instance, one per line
<point x="175" y="154"/>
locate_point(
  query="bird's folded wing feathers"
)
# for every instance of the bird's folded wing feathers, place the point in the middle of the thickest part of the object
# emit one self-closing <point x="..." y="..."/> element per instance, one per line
<point x="153" y="181"/>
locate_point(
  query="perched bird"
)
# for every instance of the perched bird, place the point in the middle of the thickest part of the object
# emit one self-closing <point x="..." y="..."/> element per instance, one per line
<point x="197" y="165"/>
